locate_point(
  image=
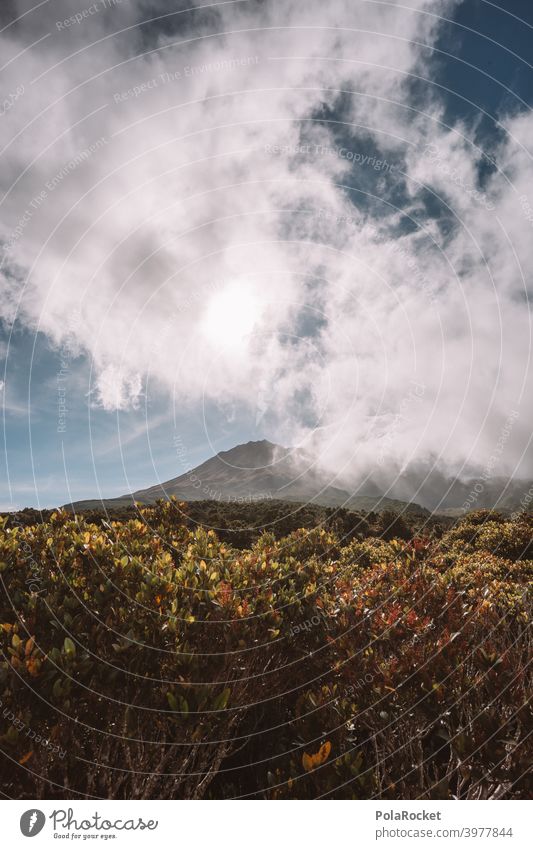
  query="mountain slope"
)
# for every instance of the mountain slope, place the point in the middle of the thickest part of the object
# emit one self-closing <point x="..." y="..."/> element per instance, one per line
<point x="252" y="472"/>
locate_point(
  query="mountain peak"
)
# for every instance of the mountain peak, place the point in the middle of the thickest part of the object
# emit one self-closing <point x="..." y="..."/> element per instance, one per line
<point x="258" y="470"/>
<point x="253" y="454"/>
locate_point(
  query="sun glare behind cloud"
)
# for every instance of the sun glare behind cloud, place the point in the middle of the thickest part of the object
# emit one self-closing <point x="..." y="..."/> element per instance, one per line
<point x="231" y="316"/>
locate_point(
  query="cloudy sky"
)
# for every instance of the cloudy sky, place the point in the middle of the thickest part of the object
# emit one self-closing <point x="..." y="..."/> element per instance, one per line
<point x="303" y="221"/>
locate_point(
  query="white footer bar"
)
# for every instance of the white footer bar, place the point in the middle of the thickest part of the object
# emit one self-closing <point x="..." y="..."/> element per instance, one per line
<point x="278" y="825"/>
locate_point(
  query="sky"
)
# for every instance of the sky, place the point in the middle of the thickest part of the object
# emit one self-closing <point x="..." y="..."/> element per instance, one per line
<point x="222" y="222"/>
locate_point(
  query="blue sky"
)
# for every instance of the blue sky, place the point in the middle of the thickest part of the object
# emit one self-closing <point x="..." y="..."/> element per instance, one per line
<point x="87" y="451"/>
<point x="181" y="285"/>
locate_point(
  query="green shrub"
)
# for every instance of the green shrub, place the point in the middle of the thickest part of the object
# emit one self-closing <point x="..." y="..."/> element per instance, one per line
<point x="151" y="659"/>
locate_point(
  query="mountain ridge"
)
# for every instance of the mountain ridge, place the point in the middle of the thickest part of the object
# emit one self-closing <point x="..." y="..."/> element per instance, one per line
<point x="255" y="471"/>
<point x="264" y="471"/>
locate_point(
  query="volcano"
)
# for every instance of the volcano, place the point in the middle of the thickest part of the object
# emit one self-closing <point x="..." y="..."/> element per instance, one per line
<point x="255" y="471"/>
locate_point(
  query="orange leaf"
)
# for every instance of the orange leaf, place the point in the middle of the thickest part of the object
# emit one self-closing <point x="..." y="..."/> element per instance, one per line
<point x="323" y="752"/>
<point x="310" y="762"/>
<point x="26" y="757"/>
<point x="307" y="762"/>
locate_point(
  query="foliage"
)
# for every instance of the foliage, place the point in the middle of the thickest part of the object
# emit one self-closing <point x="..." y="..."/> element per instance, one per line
<point x="242" y="524"/>
<point x="148" y="658"/>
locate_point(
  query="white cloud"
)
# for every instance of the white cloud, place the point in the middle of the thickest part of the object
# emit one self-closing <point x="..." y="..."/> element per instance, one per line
<point x="187" y="199"/>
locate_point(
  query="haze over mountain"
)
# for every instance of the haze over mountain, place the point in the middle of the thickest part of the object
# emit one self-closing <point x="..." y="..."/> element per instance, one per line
<point x="262" y="470"/>
<point x="256" y="471"/>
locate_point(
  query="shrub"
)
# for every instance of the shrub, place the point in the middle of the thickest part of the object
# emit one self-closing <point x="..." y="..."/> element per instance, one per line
<point x="147" y="658"/>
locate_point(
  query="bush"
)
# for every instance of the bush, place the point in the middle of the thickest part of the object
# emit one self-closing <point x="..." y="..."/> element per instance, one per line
<point x="150" y="659"/>
<point x="392" y="525"/>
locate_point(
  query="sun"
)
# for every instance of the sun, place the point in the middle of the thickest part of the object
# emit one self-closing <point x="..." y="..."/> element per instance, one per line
<point x="231" y="316"/>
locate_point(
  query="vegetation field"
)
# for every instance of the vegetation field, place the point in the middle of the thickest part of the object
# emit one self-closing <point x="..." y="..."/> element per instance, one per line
<point x="148" y="656"/>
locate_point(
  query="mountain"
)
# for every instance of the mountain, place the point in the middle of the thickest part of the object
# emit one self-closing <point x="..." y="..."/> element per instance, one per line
<point x="252" y="472"/>
<point x="453" y="496"/>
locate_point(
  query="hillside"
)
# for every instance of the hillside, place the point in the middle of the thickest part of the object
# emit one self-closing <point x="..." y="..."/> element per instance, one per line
<point x="255" y="471"/>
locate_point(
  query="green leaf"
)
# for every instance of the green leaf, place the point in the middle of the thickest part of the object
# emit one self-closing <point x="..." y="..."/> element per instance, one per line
<point x="69" y="647"/>
<point x="54" y="655"/>
<point x="12" y="734"/>
<point x="171" y="699"/>
<point x="222" y="699"/>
